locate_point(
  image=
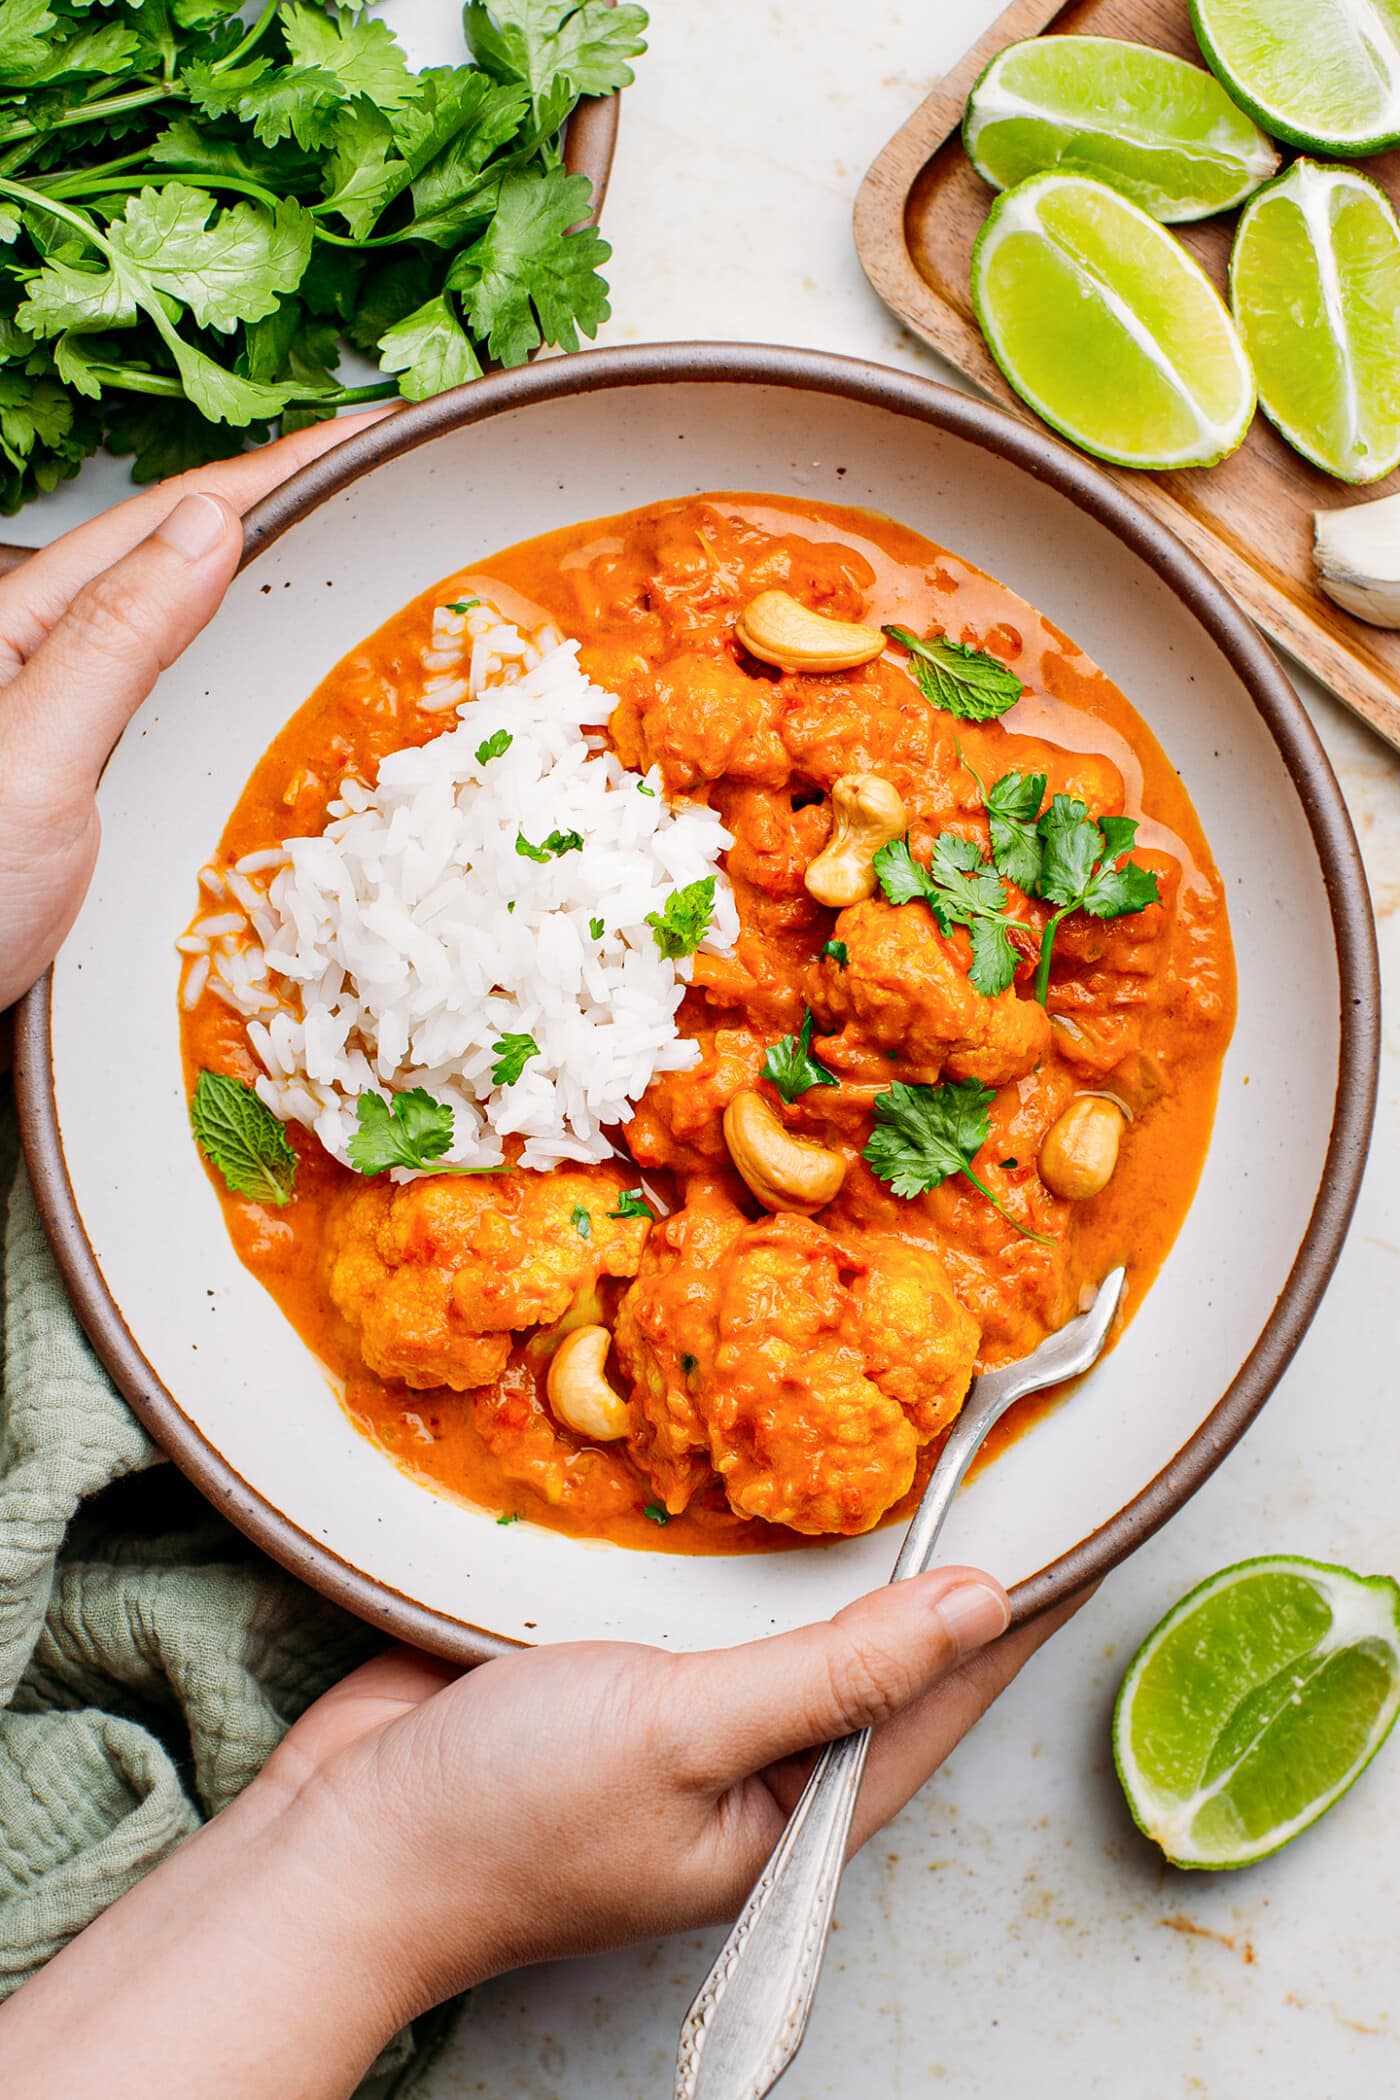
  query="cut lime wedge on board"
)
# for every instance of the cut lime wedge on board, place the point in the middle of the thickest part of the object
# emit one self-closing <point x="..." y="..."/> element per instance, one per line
<point x="1315" y="287"/>
<point x="1163" y="132"/>
<point x="1106" y="327"/>
<point x="1254" y="1705"/>
<point x="1323" y="74"/>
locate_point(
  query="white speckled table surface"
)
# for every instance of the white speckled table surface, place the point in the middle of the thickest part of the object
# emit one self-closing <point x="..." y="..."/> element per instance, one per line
<point x="1010" y="1932"/>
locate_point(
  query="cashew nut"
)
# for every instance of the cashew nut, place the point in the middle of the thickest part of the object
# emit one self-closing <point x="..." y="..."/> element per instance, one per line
<point x="1080" y="1149"/>
<point x="779" y="629"/>
<point x="866" y="814"/>
<point x="784" y="1172"/>
<point x="578" y="1388"/>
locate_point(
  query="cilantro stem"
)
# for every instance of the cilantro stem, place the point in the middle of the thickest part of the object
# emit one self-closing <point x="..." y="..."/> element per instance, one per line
<point x="27" y="194"/>
<point x="254" y="36"/>
<point x="1047" y="943"/>
<point x="111" y="106"/>
<point x="1041" y="1239"/>
<point x="81" y="184"/>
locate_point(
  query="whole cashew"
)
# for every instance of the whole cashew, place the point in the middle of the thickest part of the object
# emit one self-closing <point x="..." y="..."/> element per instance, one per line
<point x="783" y="1171"/>
<point x="578" y="1387"/>
<point x="867" y="813"/>
<point x="1080" y="1149"/>
<point x="779" y="629"/>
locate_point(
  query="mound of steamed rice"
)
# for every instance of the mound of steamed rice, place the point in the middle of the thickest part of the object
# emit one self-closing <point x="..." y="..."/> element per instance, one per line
<point x="404" y="944"/>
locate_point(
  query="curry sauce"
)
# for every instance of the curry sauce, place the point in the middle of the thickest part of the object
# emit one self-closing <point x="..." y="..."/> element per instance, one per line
<point x="1140" y="1007"/>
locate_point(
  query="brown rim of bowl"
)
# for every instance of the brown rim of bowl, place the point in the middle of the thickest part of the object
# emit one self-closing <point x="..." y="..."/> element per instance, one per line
<point x="1047" y="460"/>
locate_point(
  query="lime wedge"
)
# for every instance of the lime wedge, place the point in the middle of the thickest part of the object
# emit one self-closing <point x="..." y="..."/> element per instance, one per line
<point x="1254" y="1705"/>
<point x="1163" y="132"/>
<point x="1315" y="285"/>
<point x="1107" y="328"/>
<point x="1324" y="74"/>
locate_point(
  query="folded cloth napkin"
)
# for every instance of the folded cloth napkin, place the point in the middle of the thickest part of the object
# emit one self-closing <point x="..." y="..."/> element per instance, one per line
<point x="150" y="1658"/>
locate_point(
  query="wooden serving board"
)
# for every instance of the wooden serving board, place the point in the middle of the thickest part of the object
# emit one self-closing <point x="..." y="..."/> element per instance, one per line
<point x="1250" y="518"/>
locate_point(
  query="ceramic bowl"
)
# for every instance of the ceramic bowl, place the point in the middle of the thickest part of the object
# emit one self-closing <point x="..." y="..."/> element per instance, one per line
<point x="205" y="1356"/>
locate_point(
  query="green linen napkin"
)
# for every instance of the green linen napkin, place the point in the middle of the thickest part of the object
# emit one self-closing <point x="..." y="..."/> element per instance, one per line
<point x="150" y="1658"/>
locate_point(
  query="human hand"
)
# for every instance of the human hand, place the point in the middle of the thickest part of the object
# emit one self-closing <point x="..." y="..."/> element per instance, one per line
<point x="575" y="1798"/>
<point x="86" y="627"/>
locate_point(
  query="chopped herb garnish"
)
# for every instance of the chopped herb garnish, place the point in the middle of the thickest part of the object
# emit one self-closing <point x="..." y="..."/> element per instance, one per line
<point x="494" y="746"/>
<point x="680" y="928"/>
<point x="657" y="1514"/>
<point x="838" y="952"/>
<point x="632" y="1204"/>
<point x="955" y="676"/>
<point x="790" y="1065"/>
<point x="239" y="1134"/>
<point x="561" y="842"/>
<point x="960" y="889"/>
<point x="512" y="1054"/>
<point x="510" y="1516"/>
<point x="465" y="605"/>
<point x="408" y="1130"/>
<point x="510" y="907"/>
<point x="527" y="851"/>
<point x="582" y="1221"/>
<point x="596" y="928"/>
<point x="925" y="1134"/>
<point x="643" y="789"/>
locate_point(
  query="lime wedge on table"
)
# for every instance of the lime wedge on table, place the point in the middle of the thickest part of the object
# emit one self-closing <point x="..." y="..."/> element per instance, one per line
<point x="1163" y="132"/>
<point x="1254" y="1705"/>
<point x="1324" y="74"/>
<point x="1107" y="328"/>
<point x="1315" y="284"/>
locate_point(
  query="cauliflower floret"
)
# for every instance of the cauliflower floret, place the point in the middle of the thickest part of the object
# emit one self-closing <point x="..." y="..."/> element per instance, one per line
<point x="805" y="1370"/>
<point x="434" y="1276"/>
<point x="701" y="717"/>
<point x="904" y="989"/>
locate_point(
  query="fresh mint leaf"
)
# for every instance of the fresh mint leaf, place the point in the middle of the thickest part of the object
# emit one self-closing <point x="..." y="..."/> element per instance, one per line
<point x="958" y="678"/>
<point x="682" y="926"/>
<point x="632" y="1204"/>
<point x="240" y="1136"/>
<point x="790" y="1065"/>
<point x="408" y="1130"/>
<point x="925" y="1134"/>
<point x="494" y="746"/>
<point x="512" y="1054"/>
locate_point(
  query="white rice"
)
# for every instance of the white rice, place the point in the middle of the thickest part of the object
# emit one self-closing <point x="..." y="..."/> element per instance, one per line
<point x="396" y="949"/>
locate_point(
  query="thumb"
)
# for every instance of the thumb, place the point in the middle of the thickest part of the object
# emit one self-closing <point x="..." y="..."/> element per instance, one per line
<point x="774" y="1698"/>
<point x="61" y="716"/>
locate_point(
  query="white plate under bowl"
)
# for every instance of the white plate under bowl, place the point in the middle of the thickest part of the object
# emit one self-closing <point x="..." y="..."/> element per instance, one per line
<point x="204" y="1354"/>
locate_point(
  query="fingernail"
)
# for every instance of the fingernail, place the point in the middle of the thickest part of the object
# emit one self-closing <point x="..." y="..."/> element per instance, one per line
<point x="974" y="1613"/>
<point x="194" y="527"/>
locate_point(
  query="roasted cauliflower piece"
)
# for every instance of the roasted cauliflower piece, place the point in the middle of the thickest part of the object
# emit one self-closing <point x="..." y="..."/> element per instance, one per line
<point x="433" y="1277"/>
<point x="803" y="1368"/>
<point x="905" y="989"/>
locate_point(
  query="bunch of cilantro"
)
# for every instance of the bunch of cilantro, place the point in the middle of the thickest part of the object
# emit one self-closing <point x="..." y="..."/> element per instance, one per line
<point x="197" y="213"/>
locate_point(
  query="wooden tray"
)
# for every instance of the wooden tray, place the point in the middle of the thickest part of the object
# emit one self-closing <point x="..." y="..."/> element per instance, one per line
<point x="1249" y="519"/>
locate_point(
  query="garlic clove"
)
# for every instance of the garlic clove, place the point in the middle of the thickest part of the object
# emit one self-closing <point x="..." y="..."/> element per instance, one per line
<point x="1357" y="554"/>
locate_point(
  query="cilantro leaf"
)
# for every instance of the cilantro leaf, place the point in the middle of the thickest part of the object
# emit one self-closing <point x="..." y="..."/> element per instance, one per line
<point x="530" y="278"/>
<point x="1013" y="809"/>
<point x="561" y="842"/>
<point x="512" y="1053"/>
<point x="360" y="55"/>
<point x="528" y="852"/>
<point x="582" y="1221"/>
<point x="510" y="1516"/>
<point x="657" y="1514"/>
<point x="364" y="171"/>
<point x="494" y="746"/>
<point x="536" y="41"/>
<point x="838" y="952"/>
<point x="682" y="926"/>
<point x="239" y="1134"/>
<point x="430" y="350"/>
<point x="408" y="1130"/>
<point x="959" y="678"/>
<point x="790" y="1065"/>
<point x="1080" y="871"/>
<point x="925" y="1134"/>
<point x="960" y="889"/>
<point x="596" y="928"/>
<point x="632" y="1204"/>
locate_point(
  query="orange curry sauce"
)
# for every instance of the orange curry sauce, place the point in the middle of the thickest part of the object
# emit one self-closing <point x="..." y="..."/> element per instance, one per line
<point x="1143" y="1005"/>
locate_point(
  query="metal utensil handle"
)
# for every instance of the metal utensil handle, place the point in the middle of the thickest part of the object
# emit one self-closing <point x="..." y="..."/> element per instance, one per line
<point x="764" y="1980"/>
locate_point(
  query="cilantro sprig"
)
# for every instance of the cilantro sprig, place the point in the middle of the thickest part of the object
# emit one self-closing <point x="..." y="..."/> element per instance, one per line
<point x="409" y="1130"/>
<point x="790" y="1065"/>
<point x="960" y="889"/>
<point x="243" y="1139"/>
<point x="925" y="1134"/>
<point x="196" y="215"/>
<point x="958" y="678"/>
<point x="512" y="1053"/>
<point x="680" y="927"/>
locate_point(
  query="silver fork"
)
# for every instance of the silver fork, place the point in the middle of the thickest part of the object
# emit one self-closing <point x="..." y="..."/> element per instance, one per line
<point x="749" y="2017"/>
